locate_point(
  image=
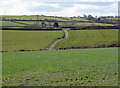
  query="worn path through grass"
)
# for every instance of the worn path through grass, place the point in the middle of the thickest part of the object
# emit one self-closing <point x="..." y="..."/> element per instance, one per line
<point x="65" y="36"/>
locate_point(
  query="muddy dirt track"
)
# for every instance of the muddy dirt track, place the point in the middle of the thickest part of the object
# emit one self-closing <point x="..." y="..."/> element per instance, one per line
<point x="65" y="36"/>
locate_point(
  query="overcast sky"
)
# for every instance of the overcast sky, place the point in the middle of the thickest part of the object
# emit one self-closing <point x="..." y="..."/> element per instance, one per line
<point x="59" y="7"/>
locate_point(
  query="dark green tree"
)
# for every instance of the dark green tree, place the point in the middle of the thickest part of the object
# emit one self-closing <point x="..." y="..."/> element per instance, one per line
<point x="56" y="24"/>
<point x="84" y="16"/>
<point x="43" y="24"/>
<point x="90" y="17"/>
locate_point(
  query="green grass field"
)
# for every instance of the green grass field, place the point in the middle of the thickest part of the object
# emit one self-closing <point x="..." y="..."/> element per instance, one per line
<point x="44" y="17"/>
<point x="79" y="19"/>
<point x="31" y="40"/>
<point x="83" y="67"/>
<point x="34" y="18"/>
<point x="93" y="24"/>
<point x="8" y="23"/>
<point x="77" y="67"/>
<point x="40" y="22"/>
<point x="113" y="18"/>
<point x="78" y="38"/>
<point x="27" y="22"/>
<point x="67" y="19"/>
<point x="34" y="40"/>
<point x="69" y="23"/>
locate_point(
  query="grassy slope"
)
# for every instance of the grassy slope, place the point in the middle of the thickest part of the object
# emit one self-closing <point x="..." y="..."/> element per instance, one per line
<point x="69" y="23"/>
<point x="79" y="19"/>
<point x="34" y="18"/>
<point x="112" y="18"/>
<point x="27" y="22"/>
<point x="58" y="19"/>
<point x="8" y="23"/>
<point x="16" y="40"/>
<point x="45" y="17"/>
<point x="61" y="68"/>
<point x="34" y="22"/>
<point x="94" y="24"/>
<point x="78" y="38"/>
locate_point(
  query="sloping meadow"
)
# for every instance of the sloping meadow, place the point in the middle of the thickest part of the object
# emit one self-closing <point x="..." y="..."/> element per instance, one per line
<point x="28" y="40"/>
<point x="91" y="38"/>
<point x="83" y="67"/>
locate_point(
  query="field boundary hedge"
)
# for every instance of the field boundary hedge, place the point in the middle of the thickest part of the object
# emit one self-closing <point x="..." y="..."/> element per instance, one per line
<point x="67" y="48"/>
<point x="95" y="27"/>
<point x="31" y="29"/>
<point x="60" y="28"/>
<point x="84" y="47"/>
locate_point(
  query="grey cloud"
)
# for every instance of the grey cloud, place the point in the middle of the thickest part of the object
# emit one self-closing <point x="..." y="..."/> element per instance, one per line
<point x="44" y="9"/>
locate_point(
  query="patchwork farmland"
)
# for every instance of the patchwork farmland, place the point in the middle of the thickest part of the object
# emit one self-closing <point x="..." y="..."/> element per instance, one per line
<point x="28" y="61"/>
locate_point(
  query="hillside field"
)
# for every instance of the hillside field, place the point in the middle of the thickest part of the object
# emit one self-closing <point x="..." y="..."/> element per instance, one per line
<point x="26" y="23"/>
<point x="9" y="23"/>
<point x="78" y="38"/>
<point x="30" y="40"/>
<point x="68" y="23"/>
<point x="65" y="21"/>
<point x="35" y="40"/>
<point x="44" y="17"/>
<point x="83" y="67"/>
<point x="27" y="61"/>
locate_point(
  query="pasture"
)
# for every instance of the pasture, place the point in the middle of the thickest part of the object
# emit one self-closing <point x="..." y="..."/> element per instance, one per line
<point x="36" y="40"/>
<point x="83" y="67"/>
<point x="28" y="40"/>
<point x="78" y="38"/>
<point x="37" y="66"/>
<point x="113" y="18"/>
<point x="93" y="24"/>
<point x="65" y="21"/>
<point x="44" y="17"/>
<point x="68" y="23"/>
<point x="75" y="19"/>
<point x="9" y="23"/>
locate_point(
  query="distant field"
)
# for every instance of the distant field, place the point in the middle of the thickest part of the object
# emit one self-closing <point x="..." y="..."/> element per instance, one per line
<point x="27" y="22"/>
<point x="112" y="18"/>
<point x="68" y="23"/>
<point x="45" y="17"/>
<point x="8" y="23"/>
<point x="16" y="40"/>
<point x="93" y="24"/>
<point x="78" y="19"/>
<point x="35" y="17"/>
<point x="78" y="38"/>
<point x="84" y="67"/>
<point x="34" y="22"/>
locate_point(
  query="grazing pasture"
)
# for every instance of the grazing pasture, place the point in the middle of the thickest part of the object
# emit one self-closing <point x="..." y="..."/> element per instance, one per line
<point x="83" y="67"/>
<point x="34" y="22"/>
<point x="30" y="40"/>
<point x="38" y="66"/>
<point x="27" y="22"/>
<point x="79" y="38"/>
<point x="44" y="17"/>
<point x="9" y="23"/>
<point x="67" y="23"/>
<point x="93" y="24"/>
<point x="113" y="18"/>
